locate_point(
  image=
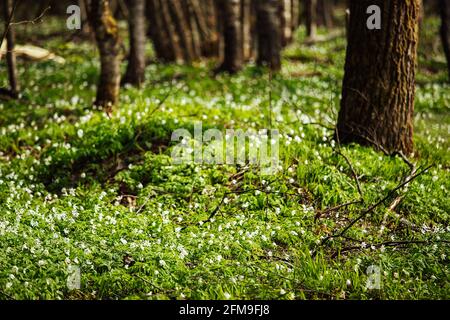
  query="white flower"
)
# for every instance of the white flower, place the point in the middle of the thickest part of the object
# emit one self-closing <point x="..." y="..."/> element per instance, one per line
<point x="80" y="133"/>
<point x="162" y="263"/>
<point x="282" y="292"/>
<point x="227" y="295"/>
<point x="349" y="283"/>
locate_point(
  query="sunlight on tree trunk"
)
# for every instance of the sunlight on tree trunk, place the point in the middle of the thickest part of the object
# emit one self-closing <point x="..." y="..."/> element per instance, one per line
<point x="108" y="42"/>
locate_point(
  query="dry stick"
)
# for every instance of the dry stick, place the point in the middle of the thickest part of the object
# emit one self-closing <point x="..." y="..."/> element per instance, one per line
<point x="376" y="205"/>
<point x="9" y="22"/>
<point x="355" y="176"/>
<point x="326" y="211"/>
<point x="394" y="204"/>
<point x="391" y="244"/>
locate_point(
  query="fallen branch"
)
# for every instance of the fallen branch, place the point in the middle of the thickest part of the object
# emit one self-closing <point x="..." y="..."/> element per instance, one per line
<point x="376" y="205"/>
<point x="390" y="244"/>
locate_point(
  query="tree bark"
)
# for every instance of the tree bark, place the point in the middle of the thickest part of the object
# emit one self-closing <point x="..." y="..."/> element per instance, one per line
<point x="10" y="55"/>
<point x="135" y="73"/>
<point x="379" y="84"/>
<point x="232" y="32"/>
<point x="109" y="44"/>
<point x="269" y="34"/>
<point x="445" y="29"/>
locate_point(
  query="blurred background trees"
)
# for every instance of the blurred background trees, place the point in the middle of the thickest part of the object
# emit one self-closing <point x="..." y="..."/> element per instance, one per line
<point x="235" y="32"/>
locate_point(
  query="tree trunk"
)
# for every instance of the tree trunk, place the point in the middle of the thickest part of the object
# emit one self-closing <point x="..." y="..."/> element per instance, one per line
<point x="10" y="55"/>
<point x="183" y="30"/>
<point x="247" y="28"/>
<point x="232" y="33"/>
<point x="295" y="14"/>
<point x="445" y="30"/>
<point x="109" y="44"/>
<point x="311" y="18"/>
<point x="135" y="73"/>
<point x="379" y="84"/>
<point x="325" y="13"/>
<point x="269" y="34"/>
<point x="285" y="8"/>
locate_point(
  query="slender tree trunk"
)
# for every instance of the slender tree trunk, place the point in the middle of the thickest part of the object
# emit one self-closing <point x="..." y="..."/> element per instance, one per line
<point x="269" y="34"/>
<point x="311" y="18"/>
<point x="183" y="30"/>
<point x="445" y="29"/>
<point x="325" y="13"/>
<point x="379" y="85"/>
<point x="135" y="73"/>
<point x="286" y="21"/>
<point x="246" y="22"/>
<point x="295" y="14"/>
<point x="232" y="32"/>
<point x="109" y="44"/>
<point x="212" y="46"/>
<point x="194" y="27"/>
<point x="10" y="54"/>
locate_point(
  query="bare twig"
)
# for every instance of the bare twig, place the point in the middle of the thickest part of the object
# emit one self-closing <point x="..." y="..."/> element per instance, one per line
<point x="336" y="208"/>
<point x="390" y="244"/>
<point x="376" y="205"/>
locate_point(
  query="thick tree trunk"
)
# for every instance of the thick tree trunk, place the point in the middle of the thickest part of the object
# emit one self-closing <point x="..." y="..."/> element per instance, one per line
<point x="379" y="85"/>
<point x="232" y="32"/>
<point x="135" y="73"/>
<point x="269" y="34"/>
<point x="310" y="11"/>
<point x="445" y="29"/>
<point x="10" y="55"/>
<point x="109" y="44"/>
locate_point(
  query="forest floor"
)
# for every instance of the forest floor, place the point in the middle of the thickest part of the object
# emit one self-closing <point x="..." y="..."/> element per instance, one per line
<point x="79" y="189"/>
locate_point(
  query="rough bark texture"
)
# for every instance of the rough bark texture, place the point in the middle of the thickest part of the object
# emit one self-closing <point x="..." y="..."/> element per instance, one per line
<point x="135" y="73"/>
<point x="232" y="31"/>
<point x="445" y="29"/>
<point x="269" y="34"/>
<point x="10" y="55"/>
<point x="109" y="44"/>
<point x="379" y="85"/>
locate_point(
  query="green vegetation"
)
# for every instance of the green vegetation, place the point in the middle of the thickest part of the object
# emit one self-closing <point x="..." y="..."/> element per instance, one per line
<point x="78" y="187"/>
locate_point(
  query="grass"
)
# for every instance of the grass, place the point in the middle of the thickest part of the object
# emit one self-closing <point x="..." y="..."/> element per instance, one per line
<point x="80" y="189"/>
